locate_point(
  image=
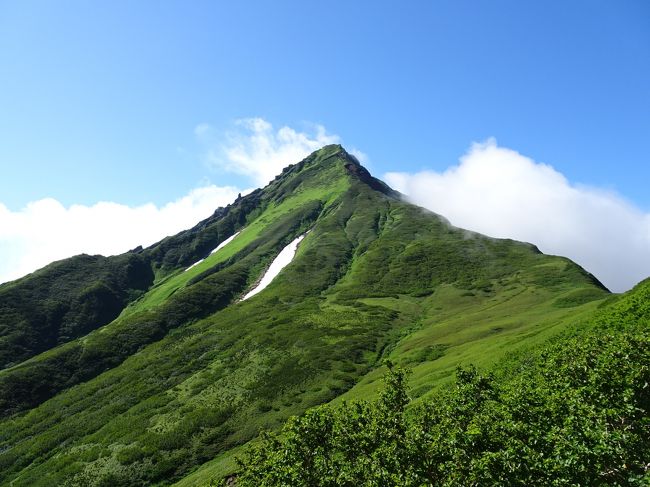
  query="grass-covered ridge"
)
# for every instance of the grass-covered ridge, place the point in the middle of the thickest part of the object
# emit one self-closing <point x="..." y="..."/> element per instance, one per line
<point x="188" y="373"/>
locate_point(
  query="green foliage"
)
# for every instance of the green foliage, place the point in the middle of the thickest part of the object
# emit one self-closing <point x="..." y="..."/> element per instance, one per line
<point x="578" y="297"/>
<point x="359" y="443"/>
<point x="65" y="300"/>
<point x="564" y="419"/>
<point x="578" y="413"/>
<point x="187" y="373"/>
<point x="426" y="354"/>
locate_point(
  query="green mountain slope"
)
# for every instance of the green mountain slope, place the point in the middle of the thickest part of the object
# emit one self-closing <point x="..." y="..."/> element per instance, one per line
<point x="65" y="300"/>
<point x="188" y="372"/>
<point x="575" y="411"/>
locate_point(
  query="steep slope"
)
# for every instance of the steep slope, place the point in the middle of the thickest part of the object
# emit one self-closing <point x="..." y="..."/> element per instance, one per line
<point x="65" y="300"/>
<point x="188" y="372"/>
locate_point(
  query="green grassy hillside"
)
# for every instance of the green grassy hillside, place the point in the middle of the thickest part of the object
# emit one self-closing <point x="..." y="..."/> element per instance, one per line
<point x="187" y="373"/>
<point x="573" y="411"/>
<point x="65" y="300"/>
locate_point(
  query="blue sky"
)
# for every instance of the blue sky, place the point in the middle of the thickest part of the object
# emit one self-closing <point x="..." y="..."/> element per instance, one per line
<point x="101" y="101"/>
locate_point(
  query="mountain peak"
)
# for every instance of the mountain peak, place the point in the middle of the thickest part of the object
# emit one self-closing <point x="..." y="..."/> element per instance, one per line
<point x="336" y="154"/>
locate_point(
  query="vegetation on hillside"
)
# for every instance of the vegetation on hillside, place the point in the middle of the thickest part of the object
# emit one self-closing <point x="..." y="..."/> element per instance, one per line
<point x="575" y="412"/>
<point x="187" y="373"/>
<point x="66" y="300"/>
<point x="276" y="217"/>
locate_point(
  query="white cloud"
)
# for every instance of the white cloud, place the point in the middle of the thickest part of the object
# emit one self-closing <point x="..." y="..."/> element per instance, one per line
<point x="259" y="151"/>
<point x="45" y="230"/>
<point x="501" y="193"/>
<point x="362" y="157"/>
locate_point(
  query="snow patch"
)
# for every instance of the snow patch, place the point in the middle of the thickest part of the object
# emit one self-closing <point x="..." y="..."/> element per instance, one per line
<point x="280" y="262"/>
<point x="220" y="246"/>
<point x="225" y="242"/>
<point x="196" y="263"/>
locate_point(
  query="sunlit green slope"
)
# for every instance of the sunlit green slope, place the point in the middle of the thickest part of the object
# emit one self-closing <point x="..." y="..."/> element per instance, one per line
<point x="574" y="410"/>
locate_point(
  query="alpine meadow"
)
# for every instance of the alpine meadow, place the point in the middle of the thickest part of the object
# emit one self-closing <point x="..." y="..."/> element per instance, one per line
<point x="387" y="348"/>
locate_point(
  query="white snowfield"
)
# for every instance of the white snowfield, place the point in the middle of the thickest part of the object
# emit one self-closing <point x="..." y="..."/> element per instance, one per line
<point x="220" y="246"/>
<point x="196" y="263"/>
<point x="225" y="242"/>
<point x="280" y="262"/>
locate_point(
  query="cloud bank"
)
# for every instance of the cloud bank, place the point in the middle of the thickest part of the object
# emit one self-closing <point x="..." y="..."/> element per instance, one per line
<point x="45" y="230"/>
<point x="501" y="193"/>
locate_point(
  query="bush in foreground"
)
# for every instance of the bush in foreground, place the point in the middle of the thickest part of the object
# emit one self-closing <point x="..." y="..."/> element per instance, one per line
<point x="575" y="413"/>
